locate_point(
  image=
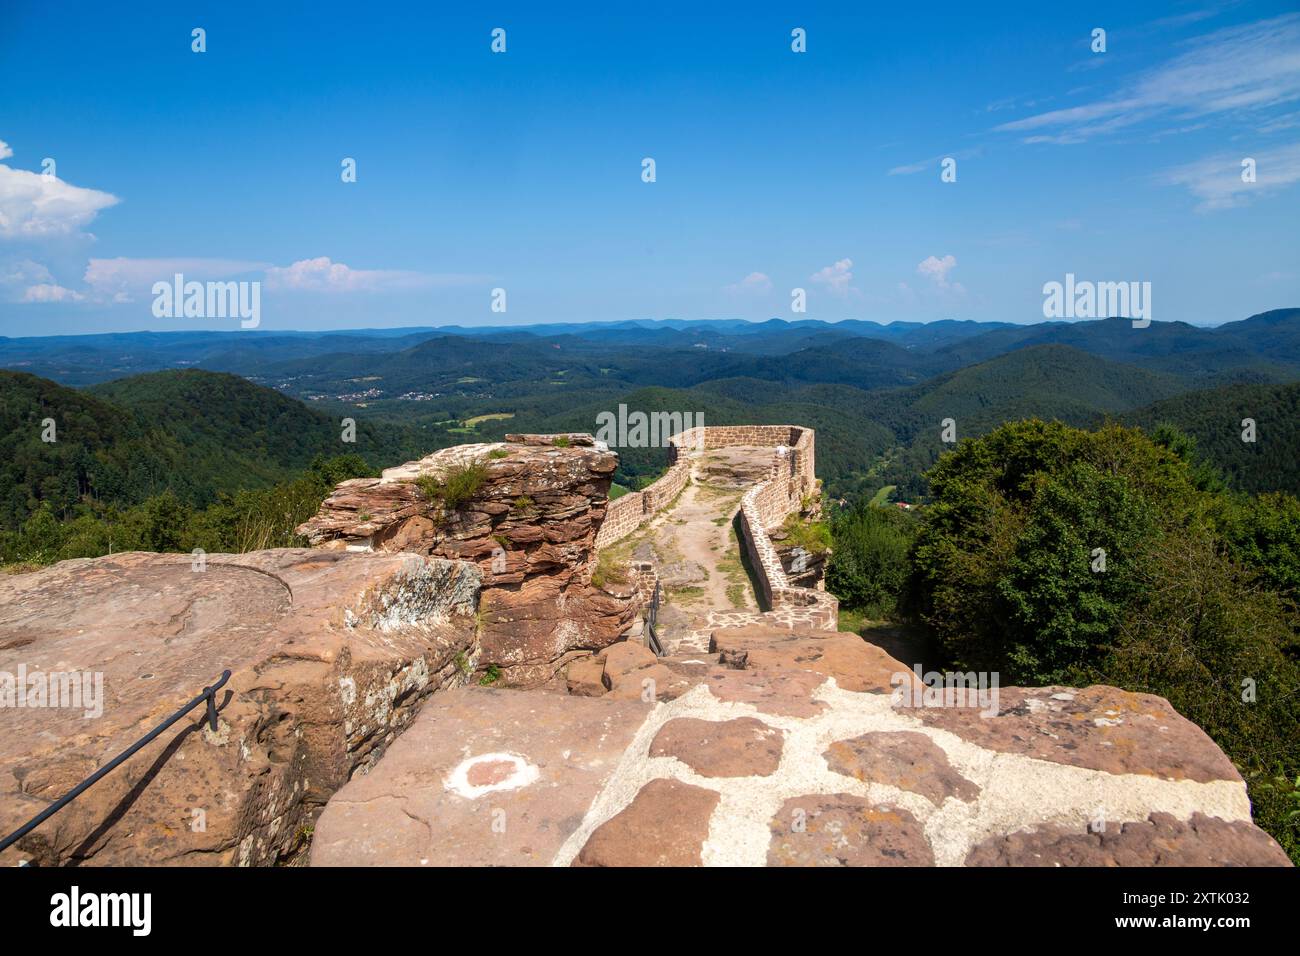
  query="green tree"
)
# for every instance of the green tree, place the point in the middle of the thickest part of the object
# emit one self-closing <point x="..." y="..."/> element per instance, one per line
<point x="868" y="564"/>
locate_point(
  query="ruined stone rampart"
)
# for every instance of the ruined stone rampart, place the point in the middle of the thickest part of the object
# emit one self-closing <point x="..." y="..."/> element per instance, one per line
<point x="790" y="487"/>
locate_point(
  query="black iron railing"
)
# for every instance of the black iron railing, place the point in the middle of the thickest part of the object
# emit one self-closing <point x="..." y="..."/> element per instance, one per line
<point x="651" y="618"/>
<point x="209" y="694"/>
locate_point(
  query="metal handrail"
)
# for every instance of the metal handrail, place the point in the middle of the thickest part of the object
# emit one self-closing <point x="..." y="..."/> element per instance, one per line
<point x="651" y="618"/>
<point x="209" y="694"/>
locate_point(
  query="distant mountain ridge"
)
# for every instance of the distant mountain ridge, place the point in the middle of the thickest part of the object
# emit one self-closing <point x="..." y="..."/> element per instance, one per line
<point x="875" y="393"/>
<point x="1263" y="347"/>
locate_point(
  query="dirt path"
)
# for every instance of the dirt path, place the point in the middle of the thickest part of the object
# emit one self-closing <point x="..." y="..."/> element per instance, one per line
<point x="695" y="546"/>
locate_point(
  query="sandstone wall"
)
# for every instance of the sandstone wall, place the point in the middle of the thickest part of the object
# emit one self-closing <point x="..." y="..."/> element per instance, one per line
<point x="530" y="528"/>
<point x="792" y="482"/>
<point x="796" y="465"/>
<point x="624" y="515"/>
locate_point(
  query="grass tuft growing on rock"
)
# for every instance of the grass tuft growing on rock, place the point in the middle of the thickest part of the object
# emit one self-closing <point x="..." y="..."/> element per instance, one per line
<point x="456" y="486"/>
<point x="608" y="570"/>
<point x="813" y="536"/>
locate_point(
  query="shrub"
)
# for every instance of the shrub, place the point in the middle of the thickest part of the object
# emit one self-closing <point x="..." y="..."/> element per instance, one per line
<point x="868" y="566"/>
<point x="1195" y="603"/>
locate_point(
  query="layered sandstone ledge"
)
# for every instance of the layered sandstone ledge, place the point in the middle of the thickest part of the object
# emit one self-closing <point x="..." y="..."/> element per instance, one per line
<point x="530" y="528"/>
<point x="331" y="653"/>
<point x="788" y="747"/>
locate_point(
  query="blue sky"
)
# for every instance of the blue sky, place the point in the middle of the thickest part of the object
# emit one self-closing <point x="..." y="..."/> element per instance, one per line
<point x="775" y="170"/>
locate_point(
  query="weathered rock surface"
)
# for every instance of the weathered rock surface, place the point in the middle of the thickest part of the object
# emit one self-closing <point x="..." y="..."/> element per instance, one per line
<point x="330" y="652"/>
<point x="1098" y="727"/>
<point x="855" y="664"/>
<point x="743" y="747"/>
<point x="839" y="829"/>
<point x="909" y="761"/>
<point x="666" y="824"/>
<point x="543" y="760"/>
<point x="530" y="527"/>
<point x="1160" y="840"/>
<point x="797" y="751"/>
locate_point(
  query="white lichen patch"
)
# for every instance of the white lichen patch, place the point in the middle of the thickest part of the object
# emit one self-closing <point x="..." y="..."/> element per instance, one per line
<point x="348" y="690"/>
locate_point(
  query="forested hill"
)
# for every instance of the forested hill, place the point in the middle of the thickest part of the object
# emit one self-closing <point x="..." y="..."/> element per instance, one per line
<point x="1214" y="418"/>
<point x="194" y="432"/>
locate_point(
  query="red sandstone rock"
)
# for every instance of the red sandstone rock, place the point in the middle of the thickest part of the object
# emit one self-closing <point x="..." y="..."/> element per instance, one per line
<point x="744" y="747"/>
<point x="530" y="527"/>
<point x="908" y="761"/>
<point x="623" y="659"/>
<point x="330" y="653"/>
<point x="1098" y="727"/>
<point x="584" y="677"/>
<point x="664" y="825"/>
<point x="855" y="664"/>
<point x="414" y="809"/>
<point x="1159" y="840"/>
<point x="839" y="829"/>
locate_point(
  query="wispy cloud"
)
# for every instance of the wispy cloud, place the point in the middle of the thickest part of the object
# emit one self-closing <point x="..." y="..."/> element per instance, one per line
<point x="324" y="275"/>
<point x="51" y="292"/>
<point x="1216" y="180"/>
<point x="1250" y="67"/>
<point x="25" y="280"/>
<point x="123" y="279"/>
<point x="932" y="163"/>
<point x="756" y="283"/>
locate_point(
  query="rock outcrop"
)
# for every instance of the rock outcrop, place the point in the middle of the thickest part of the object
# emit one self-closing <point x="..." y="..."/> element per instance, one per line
<point x="795" y="747"/>
<point x="331" y="655"/>
<point x="529" y="524"/>
<point x="773" y="740"/>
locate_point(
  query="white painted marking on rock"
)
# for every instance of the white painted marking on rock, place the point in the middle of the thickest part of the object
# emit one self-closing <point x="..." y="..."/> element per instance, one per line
<point x="521" y="776"/>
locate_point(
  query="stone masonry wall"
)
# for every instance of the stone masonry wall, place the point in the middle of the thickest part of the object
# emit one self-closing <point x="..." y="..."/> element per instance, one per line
<point x="796" y="463"/>
<point x="793" y="480"/>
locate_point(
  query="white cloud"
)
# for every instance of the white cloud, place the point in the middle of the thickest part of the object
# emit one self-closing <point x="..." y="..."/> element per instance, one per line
<point x="937" y="269"/>
<point x="51" y="292"/>
<point x="1216" y="180"/>
<point x="23" y="271"/>
<point x="122" y="279"/>
<point x="756" y="283"/>
<point x="37" y="206"/>
<point x="324" y="275"/>
<point x="1250" y="67"/>
<point x="25" y="280"/>
<point x="837" y="277"/>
